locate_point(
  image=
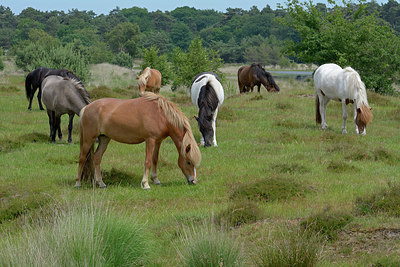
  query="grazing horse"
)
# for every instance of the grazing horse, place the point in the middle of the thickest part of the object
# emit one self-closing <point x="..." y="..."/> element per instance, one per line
<point x="207" y="94"/>
<point x="149" y="80"/>
<point x="255" y="74"/>
<point x="345" y="85"/>
<point x="150" y="118"/>
<point x="34" y="80"/>
<point x="63" y="95"/>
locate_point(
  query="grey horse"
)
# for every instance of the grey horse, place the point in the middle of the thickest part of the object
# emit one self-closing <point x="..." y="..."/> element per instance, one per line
<point x="63" y="95"/>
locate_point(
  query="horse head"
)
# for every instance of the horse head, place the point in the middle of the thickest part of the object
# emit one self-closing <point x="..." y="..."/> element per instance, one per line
<point x="363" y="117"/>
<point x="189" y="157"/>
<point x="205" y="125"/>
<point x="271" y="85"/>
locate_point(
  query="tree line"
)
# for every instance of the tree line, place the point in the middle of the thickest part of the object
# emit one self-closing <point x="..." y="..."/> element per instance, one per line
<point x="298" y="32"/>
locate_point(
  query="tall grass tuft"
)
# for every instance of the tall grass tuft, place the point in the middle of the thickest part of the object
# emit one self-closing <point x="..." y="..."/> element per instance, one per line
<point x="327" y="222"/>
<point x="86" y="236"/>
<point x="207" y="246"/>
<point x="290" y="246"/>
<point x="240" y="212"/>
<point x="387" y="200"/>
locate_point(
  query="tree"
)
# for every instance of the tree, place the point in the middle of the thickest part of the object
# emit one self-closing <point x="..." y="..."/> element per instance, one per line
<point x="153" y="59"/>
<point x="124" y="38"/>
<point x="198" y="59"/>
<point x="181" y="35"/>
<point x="347" y="36"/>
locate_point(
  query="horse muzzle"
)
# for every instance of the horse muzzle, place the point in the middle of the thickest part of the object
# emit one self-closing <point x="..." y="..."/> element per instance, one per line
<point x="192" y="180"/>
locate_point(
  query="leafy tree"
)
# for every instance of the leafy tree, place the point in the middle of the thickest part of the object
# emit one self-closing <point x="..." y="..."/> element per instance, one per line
<point x="181" y="35"/>
<point x="1" y="59"/>
<point x="198" y="59"/>
<point x="139" y="16"/>
<point x="122" y="59"/>
<point x="124" y="38"/>
<point x="159" y="39"/>
<point x="153" y="59"/>
<point x="347" y="36"/>
<point x="8" y="24"/>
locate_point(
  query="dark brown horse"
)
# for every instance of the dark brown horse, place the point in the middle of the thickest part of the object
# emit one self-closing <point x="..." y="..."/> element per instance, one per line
<point x="255" y="74"/>
<point x="34" y="80"/>
<point x="149" y="119"/>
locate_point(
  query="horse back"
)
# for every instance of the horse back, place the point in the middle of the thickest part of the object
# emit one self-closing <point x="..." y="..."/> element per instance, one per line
<point x="128" y="121"/>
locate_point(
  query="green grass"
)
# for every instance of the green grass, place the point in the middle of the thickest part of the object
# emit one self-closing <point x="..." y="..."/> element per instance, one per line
<point x="271" y="158"/>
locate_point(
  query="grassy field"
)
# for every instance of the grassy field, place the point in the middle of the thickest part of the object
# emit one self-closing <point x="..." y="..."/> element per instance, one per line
<point x="276" y="184"/>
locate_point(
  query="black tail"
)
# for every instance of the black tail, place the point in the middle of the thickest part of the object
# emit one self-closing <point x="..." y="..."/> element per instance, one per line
<point x="28" y="86"/>
<point x="317" y="112"/>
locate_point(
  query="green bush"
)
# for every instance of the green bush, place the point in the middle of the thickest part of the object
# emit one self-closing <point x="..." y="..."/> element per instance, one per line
<point x="122" y="59"/>
<point x="206" y="246"/>
<point x="239" y="213"/>
<point x="153" y="60"/>
<point x="387" y="200"/>
<point x="198" y="59"/>
<point x="327" y="223"/>
<point x="270" y="189"/>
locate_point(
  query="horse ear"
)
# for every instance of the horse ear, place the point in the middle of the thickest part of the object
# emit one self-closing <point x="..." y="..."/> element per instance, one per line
<point x="137" y="76"/>
<point x="358" y="110"/>
<point x="188" y="147"/>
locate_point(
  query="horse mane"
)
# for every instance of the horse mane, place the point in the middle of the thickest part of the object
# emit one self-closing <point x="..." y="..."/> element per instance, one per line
<point x="144" y="77"/>
<point x="263" y="73"/>
<point x="354" y="83"/>
<point x="176" y="117"/>
<point x="81" y="89"/>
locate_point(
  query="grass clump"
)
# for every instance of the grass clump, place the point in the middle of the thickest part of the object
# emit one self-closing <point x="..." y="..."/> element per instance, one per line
<point x="207" y="246"/>
<point x="7" y="145"/>
<point x="270" y="189"/>
<point x="327" y="223"/>
<point x="239" y="213"/>
<point x="387" y="200"/>
<point x="81" y="237"/>
<point x="290" y="246"/>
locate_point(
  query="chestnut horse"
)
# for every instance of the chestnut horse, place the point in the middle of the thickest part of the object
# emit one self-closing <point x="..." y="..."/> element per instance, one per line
<point x="255" y="74"/>
<point x="149" y="80"/>
<point x="149" y="119"/>
<point x="344" y="85"/>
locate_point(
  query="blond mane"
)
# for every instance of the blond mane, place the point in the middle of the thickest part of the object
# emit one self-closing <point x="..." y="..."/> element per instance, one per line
<point x="176" y="117"/>
<point x="144" y="77"/>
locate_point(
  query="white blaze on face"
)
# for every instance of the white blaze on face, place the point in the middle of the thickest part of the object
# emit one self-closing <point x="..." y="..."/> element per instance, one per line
<point x="195" y="176"/>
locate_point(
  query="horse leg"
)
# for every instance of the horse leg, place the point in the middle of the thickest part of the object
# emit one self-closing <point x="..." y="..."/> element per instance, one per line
<point x="39" y="97"/>
<point x="54" y="127"/>
<point x="150" y="144"/>
<point x="258" y="88"/>
<point x="154" y="166"/>
<point x="344" y="109"/>
<point x="49" y="113"/>
<point x="83" y="155"/>
<point x="58" y="127"/>
<point x="214" y="119"/>
<point x="71" y="119"/>
<point x="323" y="102"/>
<point x="98" y="155"/>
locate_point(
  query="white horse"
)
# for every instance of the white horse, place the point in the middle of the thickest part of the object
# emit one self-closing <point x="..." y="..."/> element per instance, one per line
<point x="345" y="85"/>
<point x="207" y="94"/>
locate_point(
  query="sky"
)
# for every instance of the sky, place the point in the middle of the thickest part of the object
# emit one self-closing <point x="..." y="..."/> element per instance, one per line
<point x="105" y="6"/>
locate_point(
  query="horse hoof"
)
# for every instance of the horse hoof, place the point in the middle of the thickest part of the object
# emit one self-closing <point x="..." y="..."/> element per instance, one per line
<point x="77" y="185"/>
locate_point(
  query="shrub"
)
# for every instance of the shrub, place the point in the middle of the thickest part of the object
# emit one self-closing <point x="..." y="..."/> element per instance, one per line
<point x="290" y="247"/>
<point x="327" y="223"/>
<point x="206" y="246"/>
<point x="122" y="59"/>
<point x="154" y="60"/>
<point x="238" y="213"/>
<point x="270" y="189"/>
<point x="387" y="200"/>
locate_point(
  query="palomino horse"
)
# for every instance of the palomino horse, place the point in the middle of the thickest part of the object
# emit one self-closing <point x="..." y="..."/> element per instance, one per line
<point x="255" y="74"/>
<point x="149" y="119"/>
<point x="34" y="80"/>
<point x="345" y="85"/>
<point x="149" y="80"/>
<point x="63" y="95"/>
<point x="207" y="94"/>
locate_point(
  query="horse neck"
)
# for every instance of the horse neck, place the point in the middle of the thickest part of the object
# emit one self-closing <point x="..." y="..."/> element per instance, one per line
<point x="176" y="135"/>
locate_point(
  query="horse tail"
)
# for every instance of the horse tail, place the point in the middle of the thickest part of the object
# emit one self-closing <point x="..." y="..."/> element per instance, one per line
<point x="28" y="86"/>
<point x="317" y="112"/>
<point x="88" y="166"/>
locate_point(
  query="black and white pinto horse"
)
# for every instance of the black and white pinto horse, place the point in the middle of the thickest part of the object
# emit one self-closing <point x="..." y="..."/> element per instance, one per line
<point x="207" y="94"/>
